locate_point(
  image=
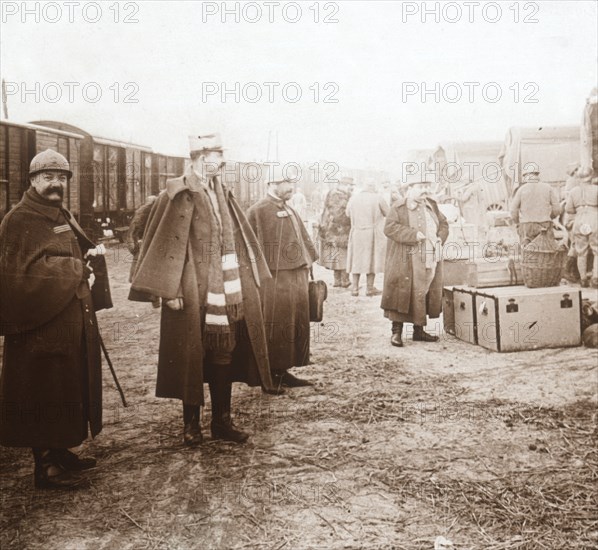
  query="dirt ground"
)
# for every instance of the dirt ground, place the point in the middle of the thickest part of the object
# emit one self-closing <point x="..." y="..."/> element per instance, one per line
<point x="390" y="449"/>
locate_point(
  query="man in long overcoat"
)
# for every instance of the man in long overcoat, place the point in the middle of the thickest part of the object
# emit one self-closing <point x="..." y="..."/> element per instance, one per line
<point x="416" y="229"/>
<point x="290" y="254"/>
<point x="334" y="232"/>
<point x="367" y="243"/>
<point x="51" y="386"/>
<point x="201" y="257"/>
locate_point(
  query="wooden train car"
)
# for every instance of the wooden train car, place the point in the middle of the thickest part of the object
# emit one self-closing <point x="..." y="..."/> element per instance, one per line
<point x="116" y="177"/>
<point x="111" y="179"/>
<point x="19" y="143"/>
<point x="246" y="180"/>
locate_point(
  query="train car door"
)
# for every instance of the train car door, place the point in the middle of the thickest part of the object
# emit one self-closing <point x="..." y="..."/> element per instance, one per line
<point x="4" y="168"/>
<point x="121" y="184"/>
<point x="155" y="174"/>
<point x="100" y="200"/>
<point x="146" y="176"/>
<point x="28" y="151"/>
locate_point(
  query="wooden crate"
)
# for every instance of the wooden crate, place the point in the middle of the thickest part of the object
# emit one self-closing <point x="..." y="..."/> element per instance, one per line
<point x="481" y="273"/>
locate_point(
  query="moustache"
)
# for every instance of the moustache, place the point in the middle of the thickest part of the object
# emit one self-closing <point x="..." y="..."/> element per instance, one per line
<point x="55" y="189"/>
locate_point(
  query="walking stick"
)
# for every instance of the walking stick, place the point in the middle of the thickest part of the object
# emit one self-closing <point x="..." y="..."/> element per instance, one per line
<point x="120" y="390"/>
<point x="276" y="280"/>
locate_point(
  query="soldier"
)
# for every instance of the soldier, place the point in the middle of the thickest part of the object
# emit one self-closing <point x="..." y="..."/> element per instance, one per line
<point x="51" y="384"/>
<point x="367" y="243"/>
<point x="199" y="255"/>
<point x="582" y="206"/>
<point x="576" y="174"/>
<point x="416" y="229"/>
<point x="136" y="229"/>
<point x="334" y="232"/>
<point x="299" y="204"/>
<point x="534" y="206"/>
<point x="290" y="254"/>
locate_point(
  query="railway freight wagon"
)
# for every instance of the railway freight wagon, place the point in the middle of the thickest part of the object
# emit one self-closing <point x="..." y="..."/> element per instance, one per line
<point x="115" y="177"/>
<point x="19" y="143"/>
<point x="111" y="179"/>
<point x="246" y="180"/>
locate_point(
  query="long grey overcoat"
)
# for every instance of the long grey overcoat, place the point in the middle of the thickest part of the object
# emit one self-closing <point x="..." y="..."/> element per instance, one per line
<point x="367" y="243"/>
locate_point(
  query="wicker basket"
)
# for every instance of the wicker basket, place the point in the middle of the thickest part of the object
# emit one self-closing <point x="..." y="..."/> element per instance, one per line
<point x="543" y="262"/>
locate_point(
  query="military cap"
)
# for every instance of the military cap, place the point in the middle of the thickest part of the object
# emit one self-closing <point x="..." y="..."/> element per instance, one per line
<point x="205" y="142"/>
<point x="49" y="160"/>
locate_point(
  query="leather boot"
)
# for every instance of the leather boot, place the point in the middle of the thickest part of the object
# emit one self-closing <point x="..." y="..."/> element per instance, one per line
<point x="371" y="289"/>
<point x="70" y="461"/>
<point x="192" y="433"/>
<point x="285" y="378"/>
<point x="397" y="331"/>
<point x="50" y="474"/>
<point x="355" y="287"/>
<point x="222" y="425"/>
<point x="571" y="272"/>
<point x="420" y="335"/>
<point x="345" y="282"/>
<point x="337" y="278"/>
<point x="582" y="267"/>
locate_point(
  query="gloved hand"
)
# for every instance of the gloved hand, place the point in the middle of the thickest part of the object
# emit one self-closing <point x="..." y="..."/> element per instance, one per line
<point x="99" y="250"/>
<point x="176" y="304"/>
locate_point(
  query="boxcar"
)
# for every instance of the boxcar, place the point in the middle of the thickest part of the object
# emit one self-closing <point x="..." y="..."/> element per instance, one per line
<point x="19" y="143"/>
<point x="164" y="167"/>
<point x="247" y="181"/>
<point x="111" y="178"/>
<point x="114" y="177"/>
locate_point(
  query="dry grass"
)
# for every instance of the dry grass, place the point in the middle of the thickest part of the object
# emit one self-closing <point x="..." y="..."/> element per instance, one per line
<point x="390" y="449"/>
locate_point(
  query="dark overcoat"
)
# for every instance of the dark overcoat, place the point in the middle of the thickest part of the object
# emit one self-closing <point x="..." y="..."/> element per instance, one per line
<point x="401" y="253"/>
<point x="50" y="387"/>
<point x="289" y="252"/>
<point x="171" y="265"/>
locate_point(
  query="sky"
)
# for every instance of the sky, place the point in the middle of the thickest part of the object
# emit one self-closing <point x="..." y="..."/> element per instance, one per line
<point x="154" y="72"/>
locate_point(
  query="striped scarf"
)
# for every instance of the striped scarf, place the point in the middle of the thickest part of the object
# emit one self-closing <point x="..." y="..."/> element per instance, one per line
<point x="225" y="301"/>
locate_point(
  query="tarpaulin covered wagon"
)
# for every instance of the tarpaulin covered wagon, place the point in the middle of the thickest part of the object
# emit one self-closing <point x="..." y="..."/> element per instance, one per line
<point x="550" y="148"/>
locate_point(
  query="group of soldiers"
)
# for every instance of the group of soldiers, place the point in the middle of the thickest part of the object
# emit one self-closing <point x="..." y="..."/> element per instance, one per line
<point x="401" y="236"/>
<point x="232" y="287"/>
<point x="536" y="207"/>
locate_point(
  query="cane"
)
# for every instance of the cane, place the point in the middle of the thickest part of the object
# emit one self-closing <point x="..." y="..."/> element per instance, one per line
<point x="120" y="390"/>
